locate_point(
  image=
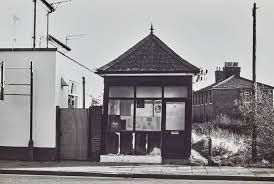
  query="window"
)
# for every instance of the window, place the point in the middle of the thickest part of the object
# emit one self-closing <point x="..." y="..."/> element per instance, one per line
<point x="210" y="97"/>
<point x="148" y="115"/>
<point x="72" y="95"/>
<point x="175" y="91"/>
<point x="121" y="91"/>
<point x="120" y="115"/>
<point x="175" y="116"/>
<point x="148" y="92"/>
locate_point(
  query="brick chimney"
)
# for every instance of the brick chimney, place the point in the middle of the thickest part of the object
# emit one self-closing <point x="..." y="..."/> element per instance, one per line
<point x="230" y="68"/>
<point x="219" y="75"/>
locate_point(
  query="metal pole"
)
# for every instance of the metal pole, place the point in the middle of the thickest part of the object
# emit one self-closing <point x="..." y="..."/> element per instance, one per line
<point x="34" y="24"/>
<point x="2" y="81"/>
<point x="254" y="128"/>
<point x="47" y="29"/>
<point x="84" y="92"/>
<point x="30" y="145"/>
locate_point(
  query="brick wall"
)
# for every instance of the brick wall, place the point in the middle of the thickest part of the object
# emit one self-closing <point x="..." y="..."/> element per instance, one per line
<point x="201" y="112"/>
<point x="224" y="100"/>
<point x="95" y="136"/>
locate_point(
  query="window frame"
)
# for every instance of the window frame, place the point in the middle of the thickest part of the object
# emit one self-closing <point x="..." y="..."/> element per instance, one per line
<point x="74" y="95"/>
<point x="135" y="98"/>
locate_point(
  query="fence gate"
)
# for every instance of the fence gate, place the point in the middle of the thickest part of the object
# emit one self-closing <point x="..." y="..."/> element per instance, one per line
<point x="74" y="134"/>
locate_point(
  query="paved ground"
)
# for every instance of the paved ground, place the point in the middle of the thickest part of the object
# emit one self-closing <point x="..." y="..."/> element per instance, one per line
<point x="140" y="170"/>
<point x="30" y="179"/>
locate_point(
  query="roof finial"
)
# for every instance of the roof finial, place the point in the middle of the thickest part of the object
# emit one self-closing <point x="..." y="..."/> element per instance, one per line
<point x="151" y="28"/>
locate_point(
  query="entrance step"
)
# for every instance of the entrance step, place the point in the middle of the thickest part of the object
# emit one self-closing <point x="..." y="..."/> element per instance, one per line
<point x="149" y="159"/>
<point x="177" y="161"/>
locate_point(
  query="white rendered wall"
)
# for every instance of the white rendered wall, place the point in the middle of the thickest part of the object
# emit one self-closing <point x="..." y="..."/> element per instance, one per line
<point x="69" y="70"/>
<point x="14" y="110"/>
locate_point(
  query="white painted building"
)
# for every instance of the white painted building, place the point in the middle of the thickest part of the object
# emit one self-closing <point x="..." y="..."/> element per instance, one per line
<point x="52" y="70"/>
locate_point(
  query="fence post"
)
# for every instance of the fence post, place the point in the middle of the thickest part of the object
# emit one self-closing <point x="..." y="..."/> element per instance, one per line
<point x="210" y="162"/>
<point x="57" y="156"/>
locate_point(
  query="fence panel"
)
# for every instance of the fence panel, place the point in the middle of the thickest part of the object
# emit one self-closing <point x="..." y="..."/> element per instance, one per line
<point x="74" y="134"/>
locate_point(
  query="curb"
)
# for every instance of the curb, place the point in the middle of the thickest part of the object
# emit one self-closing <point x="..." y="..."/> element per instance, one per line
<point x="152" y="176"/>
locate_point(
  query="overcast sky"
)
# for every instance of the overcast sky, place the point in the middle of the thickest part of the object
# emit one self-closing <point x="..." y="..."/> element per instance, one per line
<point x="204" y="32"/>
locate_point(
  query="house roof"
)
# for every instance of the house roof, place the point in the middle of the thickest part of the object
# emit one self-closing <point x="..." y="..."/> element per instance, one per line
<point x="150" y="55"/>
<point x="234" y="82"/>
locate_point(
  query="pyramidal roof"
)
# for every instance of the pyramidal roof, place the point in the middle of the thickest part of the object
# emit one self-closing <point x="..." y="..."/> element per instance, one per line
<point x="150" y="55"/>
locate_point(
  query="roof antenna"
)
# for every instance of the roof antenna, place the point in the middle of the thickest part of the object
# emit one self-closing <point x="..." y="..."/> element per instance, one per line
<point x="151" y="29"/>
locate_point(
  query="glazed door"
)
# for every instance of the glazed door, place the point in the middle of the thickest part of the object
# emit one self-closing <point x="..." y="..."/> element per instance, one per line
<point x="173" y="134"/>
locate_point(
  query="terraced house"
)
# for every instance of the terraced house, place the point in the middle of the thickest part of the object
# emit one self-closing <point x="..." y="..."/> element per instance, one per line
<point x="221" y="97"/>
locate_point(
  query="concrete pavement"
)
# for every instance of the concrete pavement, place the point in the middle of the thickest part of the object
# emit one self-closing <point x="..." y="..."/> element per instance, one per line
<point x="34" y="179"/>
<point x="137" y="170"/>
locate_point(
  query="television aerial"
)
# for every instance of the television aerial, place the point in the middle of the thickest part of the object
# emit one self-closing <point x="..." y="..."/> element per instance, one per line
<point x="73" y="37"/>
<point x="51" y="8"/>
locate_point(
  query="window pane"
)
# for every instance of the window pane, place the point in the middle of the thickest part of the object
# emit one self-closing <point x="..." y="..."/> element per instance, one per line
<point x="120" y="115"/>
<point x="175" y="91"/>
<point x="148" y="115"/>
<point x="175" y="115"/>
<point x="119" y="91"/>
<point x="149" y="92"/>
<point x="72" y="101"/>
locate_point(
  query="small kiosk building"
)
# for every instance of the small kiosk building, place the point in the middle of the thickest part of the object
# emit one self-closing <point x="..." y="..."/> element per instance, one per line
<point x="147" y="108"/>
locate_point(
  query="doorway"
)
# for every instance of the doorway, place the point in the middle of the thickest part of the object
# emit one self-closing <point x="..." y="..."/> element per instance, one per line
<point x="174" y="130"/>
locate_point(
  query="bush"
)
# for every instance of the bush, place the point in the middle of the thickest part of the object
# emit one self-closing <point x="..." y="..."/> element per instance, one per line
<point x="258" y="117"/>
<point x="227" y="148"/>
